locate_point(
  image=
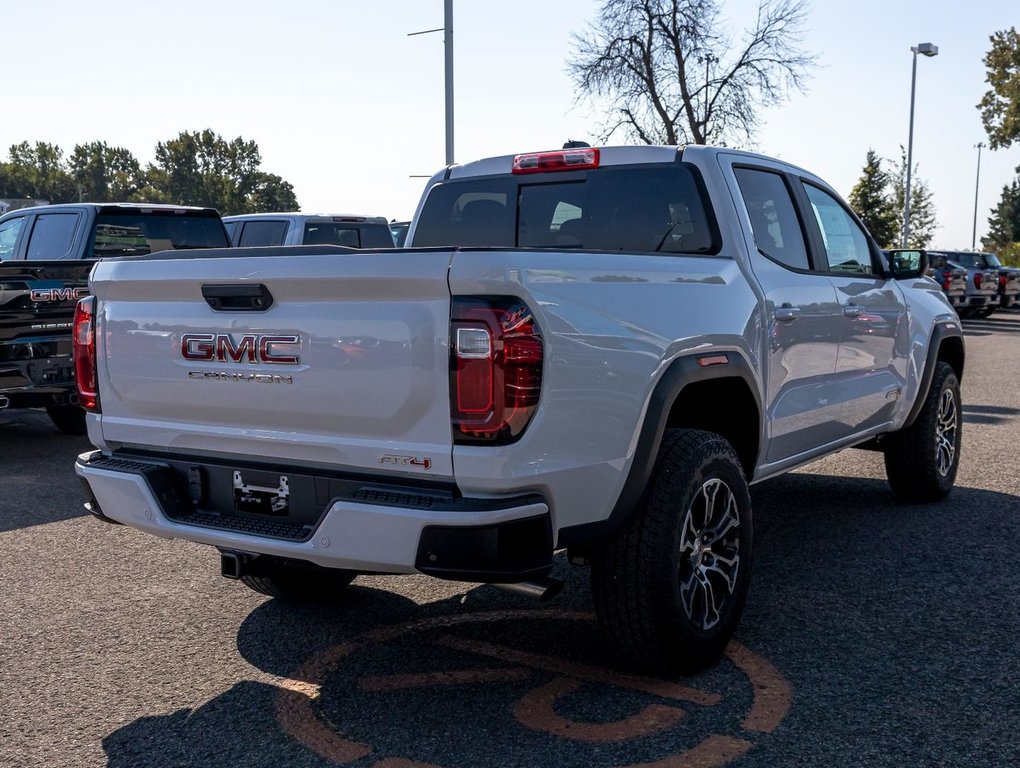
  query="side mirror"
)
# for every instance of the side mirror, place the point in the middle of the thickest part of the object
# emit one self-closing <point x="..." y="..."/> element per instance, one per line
<point x="907" y="264"/>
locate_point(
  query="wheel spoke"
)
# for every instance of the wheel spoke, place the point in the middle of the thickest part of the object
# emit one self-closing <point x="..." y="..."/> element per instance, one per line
<point x="712" y="608"/>
<point x="728" y="520"/>
<point x="726" y="568"/>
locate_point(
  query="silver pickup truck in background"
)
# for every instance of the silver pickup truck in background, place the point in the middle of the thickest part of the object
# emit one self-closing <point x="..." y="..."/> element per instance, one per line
<point x="590" y="349"/>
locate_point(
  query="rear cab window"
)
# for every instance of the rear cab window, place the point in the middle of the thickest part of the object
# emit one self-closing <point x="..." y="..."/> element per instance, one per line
<point x="149" y="231"/>
<point x="642" y="208"/>
<point x="353" y="234"/>
<point x="263" y="232"/>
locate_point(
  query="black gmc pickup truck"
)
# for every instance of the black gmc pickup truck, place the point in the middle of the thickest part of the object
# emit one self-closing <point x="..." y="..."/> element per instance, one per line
<point x="46" y="254"/>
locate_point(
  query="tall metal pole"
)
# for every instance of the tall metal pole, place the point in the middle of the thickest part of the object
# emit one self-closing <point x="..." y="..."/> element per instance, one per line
<point x="448" y="30"/>
<point x="910" y="155"/>
<point x="925" y="49"/>
<point x="977" y="182"/>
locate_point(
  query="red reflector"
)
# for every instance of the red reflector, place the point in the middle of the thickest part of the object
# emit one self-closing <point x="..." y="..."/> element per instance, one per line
<point x="84" y="351"/>
<point x="561" y="160"/>
<point x="978" y="279"/>
<point x="704" y="362"/>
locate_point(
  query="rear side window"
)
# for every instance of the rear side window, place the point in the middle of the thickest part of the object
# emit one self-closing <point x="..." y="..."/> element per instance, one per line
<point x="639" y="209"/>
<point x="774" y="221"/>
<point x="128" y="234"/>
<point x="256" y="233"/>
<point x="53" y="235"/>
<point x="231" y="227"/>
<point x="9" y="232"/>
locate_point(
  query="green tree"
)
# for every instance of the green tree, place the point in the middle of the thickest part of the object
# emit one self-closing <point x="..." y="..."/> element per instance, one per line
<point x="923" y="222"/>
<point x="871" y="200"/>
<point x="672" y="73"/>
<point x="1004" y="223"/>
<point x="202" y="168"/>
<point x="105" y="174"/>
<point x="1000" y="106"/>
<point x="36" y="171"/>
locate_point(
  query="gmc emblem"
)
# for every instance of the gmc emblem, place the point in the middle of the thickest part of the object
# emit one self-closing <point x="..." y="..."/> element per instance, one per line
<point x="251" y="348"/>
<point x="40" y="295"/>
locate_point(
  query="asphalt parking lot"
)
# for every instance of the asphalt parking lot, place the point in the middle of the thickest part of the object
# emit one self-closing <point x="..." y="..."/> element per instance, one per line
<point x="876" y="634"/>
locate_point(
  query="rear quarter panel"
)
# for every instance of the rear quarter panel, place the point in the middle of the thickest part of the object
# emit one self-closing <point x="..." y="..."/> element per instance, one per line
<point x="611" y="323"/>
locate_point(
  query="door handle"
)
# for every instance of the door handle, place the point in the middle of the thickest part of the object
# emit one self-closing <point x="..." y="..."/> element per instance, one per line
<point x="787" y="312"/>
<point x="853" y="310"/>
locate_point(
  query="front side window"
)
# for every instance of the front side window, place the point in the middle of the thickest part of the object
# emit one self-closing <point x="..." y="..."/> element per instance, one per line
<point x="774" y="222"/>
<point x="52" y="236"/>
<point x="9" y="232"/>
<point x="846" y="245"/>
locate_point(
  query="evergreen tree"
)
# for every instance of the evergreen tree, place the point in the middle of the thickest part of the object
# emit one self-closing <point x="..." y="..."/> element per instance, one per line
<point x="922" y="210"/>
<point x="871" y="200"/>
<point x="1004" y="223"/>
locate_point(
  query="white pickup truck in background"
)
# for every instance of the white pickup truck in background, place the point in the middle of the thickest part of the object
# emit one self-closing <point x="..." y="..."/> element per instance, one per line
<point x="591" y="349"/>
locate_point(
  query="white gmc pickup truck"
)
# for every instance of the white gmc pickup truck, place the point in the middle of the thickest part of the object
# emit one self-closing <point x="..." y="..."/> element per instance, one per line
<point x="590" y="349"/>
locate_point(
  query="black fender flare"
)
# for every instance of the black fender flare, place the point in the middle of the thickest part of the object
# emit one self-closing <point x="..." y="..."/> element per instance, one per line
<point x="680" y="374"/>
<point x="939" y="334"/>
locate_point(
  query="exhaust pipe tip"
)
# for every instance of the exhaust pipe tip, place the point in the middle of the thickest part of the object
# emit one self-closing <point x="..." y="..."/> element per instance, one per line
<point x="4" y="402"/>
<point x="538" y="589"/>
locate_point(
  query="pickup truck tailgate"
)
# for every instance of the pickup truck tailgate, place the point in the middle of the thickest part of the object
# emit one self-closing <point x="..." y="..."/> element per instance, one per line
<point x="348" y="369"/>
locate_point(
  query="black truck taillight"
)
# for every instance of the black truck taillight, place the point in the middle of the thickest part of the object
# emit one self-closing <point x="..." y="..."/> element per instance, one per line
<point x="495" y="369"/>
<point x="84" y="348"/>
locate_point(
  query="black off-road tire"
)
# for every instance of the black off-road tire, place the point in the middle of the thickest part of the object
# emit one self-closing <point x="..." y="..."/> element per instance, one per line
<point x="69" y="419"/>
<point x="296" y="583"/>
<point x="641" y="578"/>
<point x="921" y="461"/>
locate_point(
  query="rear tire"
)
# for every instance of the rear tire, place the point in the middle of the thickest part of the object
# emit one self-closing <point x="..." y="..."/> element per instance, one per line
<point x="69" y="419"/>
<point x="297" y="583"/>
<point x="921" y="461"/>
<point x="670" y="588"/>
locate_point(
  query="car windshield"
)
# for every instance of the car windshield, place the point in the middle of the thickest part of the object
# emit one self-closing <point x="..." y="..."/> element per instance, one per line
<point x="129" y="234"/>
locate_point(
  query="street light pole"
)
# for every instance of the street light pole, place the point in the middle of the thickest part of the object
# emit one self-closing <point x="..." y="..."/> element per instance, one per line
<point x="925" y="49"/>
<point x="447" y="30"/>
<point x="977" y="182"/>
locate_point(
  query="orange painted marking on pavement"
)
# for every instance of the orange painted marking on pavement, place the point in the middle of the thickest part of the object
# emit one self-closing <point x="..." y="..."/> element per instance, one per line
<point x="397" y="630"/>
<point x="773" y="696"/>
<point x="712" y="752"/>
<point x="653" y="686"/>
<point x="536" y="711"/>
<point x="458" y="677"/>
<point x="298" y="720"/>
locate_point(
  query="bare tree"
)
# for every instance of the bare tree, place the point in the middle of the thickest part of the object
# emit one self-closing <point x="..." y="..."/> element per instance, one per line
<point x="672" y="74"/>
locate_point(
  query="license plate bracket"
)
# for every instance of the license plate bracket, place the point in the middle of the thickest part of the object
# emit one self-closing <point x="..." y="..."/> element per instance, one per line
<point x="261" y="499"/>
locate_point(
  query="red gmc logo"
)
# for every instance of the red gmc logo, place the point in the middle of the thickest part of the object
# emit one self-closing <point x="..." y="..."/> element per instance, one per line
<point x="250" y="348"/>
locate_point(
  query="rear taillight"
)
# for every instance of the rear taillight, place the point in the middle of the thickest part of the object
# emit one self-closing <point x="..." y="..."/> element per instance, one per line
<point x="978" y="279"/>
<point x="1002" y="280"/>
<point x="947" y="281"/>
<point x="85" y="354"/>
<point x="495" y="369"/>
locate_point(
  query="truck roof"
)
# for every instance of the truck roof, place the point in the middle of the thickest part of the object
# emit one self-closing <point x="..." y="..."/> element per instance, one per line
<point x="614" y="155"/>
<point x="297" y="215"/>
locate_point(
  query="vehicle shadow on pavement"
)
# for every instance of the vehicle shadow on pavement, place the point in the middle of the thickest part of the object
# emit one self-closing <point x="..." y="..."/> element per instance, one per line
<point x="856" y="600"/>
<point x="31" y="441"/>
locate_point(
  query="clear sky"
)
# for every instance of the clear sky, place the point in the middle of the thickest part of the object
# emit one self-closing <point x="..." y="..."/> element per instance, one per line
<point x="347" y="107"/>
